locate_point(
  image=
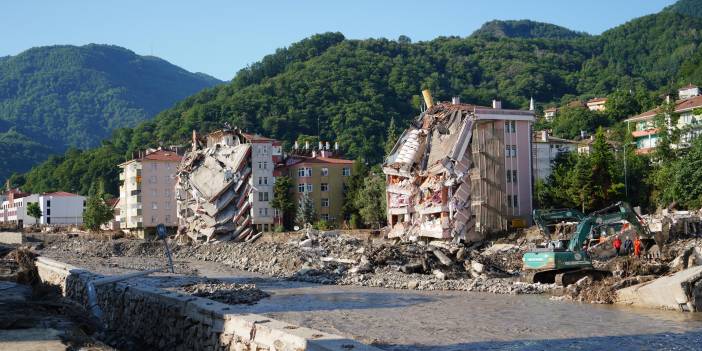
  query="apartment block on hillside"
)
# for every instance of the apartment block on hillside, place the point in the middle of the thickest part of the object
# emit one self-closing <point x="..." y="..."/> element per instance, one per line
<point x="689" y="108"/>
<point x="545" y="149"/>
<point x="147" y="192"/>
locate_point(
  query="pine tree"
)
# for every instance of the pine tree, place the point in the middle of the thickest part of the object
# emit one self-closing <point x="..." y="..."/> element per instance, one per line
<point x="282" y="200"/>
<point x="306" y="213"/>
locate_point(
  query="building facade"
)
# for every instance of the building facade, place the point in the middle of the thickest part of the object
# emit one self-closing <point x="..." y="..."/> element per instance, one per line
<point x="57" y="209"/>
<point x="147" y="192"/>
<point x="322" y="177"/>
<point x="545" y="149"/>
<point x="550" y="113"/>
<point x="265" y="154"/>
<point x="597" y="104"/>
<point x="689" y="109"/>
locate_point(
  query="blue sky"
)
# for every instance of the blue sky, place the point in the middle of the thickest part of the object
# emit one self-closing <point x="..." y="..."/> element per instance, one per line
<point x="221" y="37"/>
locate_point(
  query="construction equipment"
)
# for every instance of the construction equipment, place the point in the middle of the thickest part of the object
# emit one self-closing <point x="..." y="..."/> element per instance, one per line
<point x="566" y="265"/>
<point x="558" y="224"/>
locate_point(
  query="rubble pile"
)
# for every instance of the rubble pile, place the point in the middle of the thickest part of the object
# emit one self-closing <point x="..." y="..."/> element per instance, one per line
<point x="212" y="191"/>
<point x="229" y="293"/>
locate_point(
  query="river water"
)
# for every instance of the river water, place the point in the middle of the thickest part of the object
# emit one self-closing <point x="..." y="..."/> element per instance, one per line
<point x="446" y="320"/>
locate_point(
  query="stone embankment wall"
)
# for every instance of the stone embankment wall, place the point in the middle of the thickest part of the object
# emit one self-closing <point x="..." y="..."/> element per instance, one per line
<point x="165" y="320"/>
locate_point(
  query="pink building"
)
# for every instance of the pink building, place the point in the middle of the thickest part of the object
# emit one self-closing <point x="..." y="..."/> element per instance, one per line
<point x="461" y="171"/>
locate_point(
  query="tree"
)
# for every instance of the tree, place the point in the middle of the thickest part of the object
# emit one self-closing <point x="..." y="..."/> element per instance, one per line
<point x="306" y="213"/>
<point x="391" y="139"/>
<point x="34" y="211"/>
<point x="97" y="211"/>
<point x="579" y="187"/>
<point x="282" y="200"/>
<point x="604" y="175"/>
<point x="359" y="172"/>
<point x="370" y="200"/>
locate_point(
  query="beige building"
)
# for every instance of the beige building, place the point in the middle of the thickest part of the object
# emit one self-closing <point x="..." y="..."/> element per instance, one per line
<point x="597" y="104"/>
<point x="147" y="196"/>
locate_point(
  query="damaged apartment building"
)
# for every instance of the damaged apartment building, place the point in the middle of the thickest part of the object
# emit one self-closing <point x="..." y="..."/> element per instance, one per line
<point x="460" y="172"/>
<point x="225" y="185"/>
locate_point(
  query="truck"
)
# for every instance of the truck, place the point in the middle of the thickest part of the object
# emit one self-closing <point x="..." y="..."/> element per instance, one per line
<point x="566" y="265"/>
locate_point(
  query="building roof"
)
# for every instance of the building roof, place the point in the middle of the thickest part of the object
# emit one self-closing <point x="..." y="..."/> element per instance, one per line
<point x="689" y="86"/>
<point x="158" y="155"/>
<point x="551" y="109"/>
<point x="59" y="193"/>
<point x="596" y="100"/>
<point x="255" y="137"/>
<point x="680" y="106"/>
<point x="323" y="160"/>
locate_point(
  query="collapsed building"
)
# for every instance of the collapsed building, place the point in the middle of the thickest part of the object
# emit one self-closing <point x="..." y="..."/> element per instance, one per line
<point x="460" y="172"/>
<point x="224" y="185"/>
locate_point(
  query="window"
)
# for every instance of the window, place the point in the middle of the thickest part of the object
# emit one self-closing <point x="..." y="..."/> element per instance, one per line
<point x="48" y="212"/>
<point x="324" y="187"/>
<point x="346" y="172"/>
<point x="509" y="176"/>
<point x="265" y="165"/>
<point x="167" y="193"/>
<point x="309" y="188"/>
<point x="325" y="202"/>
<point x="263" y="196"/>
<point x="48" y="220"/>
<point x="260" y="165"/>
<point x="324" y="216"/>
<point x="514" y="175"/>
<point x="513" y="125"/>
<point x="168" y="205"/>
<point x="509" y="201"/>
<point x="301" y="188"/>
<point x="300" y="172"/>
<point x="263" y="212"/>
<point x="154" y="206"/>
<point x="260" y="180"/>
<point x="514" y="150"/>
<point x="48" y="203"/>
<point x="325" y="172"/>
<point x="153" y="180"/>
<point x="508" y="151"/>
<point x="153" y="219"/>
<point x="516" y="202"/>
<point x="265" y="180"/>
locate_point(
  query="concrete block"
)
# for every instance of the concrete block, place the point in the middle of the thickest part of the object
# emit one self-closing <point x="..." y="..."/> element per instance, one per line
<point x="673" y="292"/>
<point x="11" y="238"/>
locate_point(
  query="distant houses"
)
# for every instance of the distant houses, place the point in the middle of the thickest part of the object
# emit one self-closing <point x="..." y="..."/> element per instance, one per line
<point x="645" y="132"/>
<point x="57" y="208"/>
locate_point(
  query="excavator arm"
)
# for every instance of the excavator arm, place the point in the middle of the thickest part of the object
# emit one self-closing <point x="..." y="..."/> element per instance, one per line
<point x="605" y="217"/>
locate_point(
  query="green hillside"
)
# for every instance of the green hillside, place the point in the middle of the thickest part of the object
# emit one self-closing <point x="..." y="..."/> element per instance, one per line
<point x="353" y="88"/>
<point x="56" y="97"/>
<point x="525" y="29"/>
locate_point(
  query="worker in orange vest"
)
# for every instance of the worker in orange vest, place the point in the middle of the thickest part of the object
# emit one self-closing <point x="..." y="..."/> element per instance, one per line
<point x="637" y="247"/>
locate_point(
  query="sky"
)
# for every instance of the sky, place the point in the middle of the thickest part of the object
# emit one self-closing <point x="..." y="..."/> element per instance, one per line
<point x="220" y="37"/>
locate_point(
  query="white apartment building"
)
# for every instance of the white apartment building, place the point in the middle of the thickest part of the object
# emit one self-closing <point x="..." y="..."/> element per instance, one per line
<point x="265" y="153"/>
<point x="57" y="208"/>
<point x="147" y="192"/>
<point x="545" y="149"/>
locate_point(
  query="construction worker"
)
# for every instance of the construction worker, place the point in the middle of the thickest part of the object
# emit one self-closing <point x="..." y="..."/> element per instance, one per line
<point x="637" y="247"/>
<point x="617" y="243"/>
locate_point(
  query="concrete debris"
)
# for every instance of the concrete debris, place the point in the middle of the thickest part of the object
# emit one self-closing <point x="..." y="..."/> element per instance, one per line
<point x="229" y="293"/>
<point x="446" y="174"/>
<point x="681" y="291"/>
<point x="212" y="191"/>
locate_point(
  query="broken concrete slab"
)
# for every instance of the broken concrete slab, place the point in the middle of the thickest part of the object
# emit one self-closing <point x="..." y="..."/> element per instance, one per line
<point x="681" y="291"/>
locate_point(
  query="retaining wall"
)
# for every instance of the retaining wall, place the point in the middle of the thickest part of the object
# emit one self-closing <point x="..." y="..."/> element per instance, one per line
<point x="164" y="320"/>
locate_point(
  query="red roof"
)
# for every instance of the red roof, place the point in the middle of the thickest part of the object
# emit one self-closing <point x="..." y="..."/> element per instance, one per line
<point x="162" y="155"/>
<point x="256" y="137"/>
<point x="680" y="106"/>
<point x="59" y="193"/>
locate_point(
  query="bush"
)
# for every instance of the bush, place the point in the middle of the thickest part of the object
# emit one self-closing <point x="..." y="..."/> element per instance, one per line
<point x="355" y="221"/>
<point x="279" y="229"/>
<point x="322" y="225"/>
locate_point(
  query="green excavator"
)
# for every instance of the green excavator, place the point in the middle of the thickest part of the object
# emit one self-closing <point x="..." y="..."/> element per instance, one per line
<point x="566" y="265"/>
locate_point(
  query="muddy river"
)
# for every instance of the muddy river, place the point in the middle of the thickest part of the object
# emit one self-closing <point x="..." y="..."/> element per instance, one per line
<point x="441" y="320"/>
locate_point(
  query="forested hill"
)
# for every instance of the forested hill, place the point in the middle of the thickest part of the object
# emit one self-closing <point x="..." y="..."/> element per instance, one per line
<point x="525" y="29"/>
<point x="354" y="88"/>
<point x="60" y="96"/>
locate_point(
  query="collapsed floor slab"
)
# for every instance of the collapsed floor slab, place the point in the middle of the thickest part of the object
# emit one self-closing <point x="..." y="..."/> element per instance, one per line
<point x="680" y="291"/>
